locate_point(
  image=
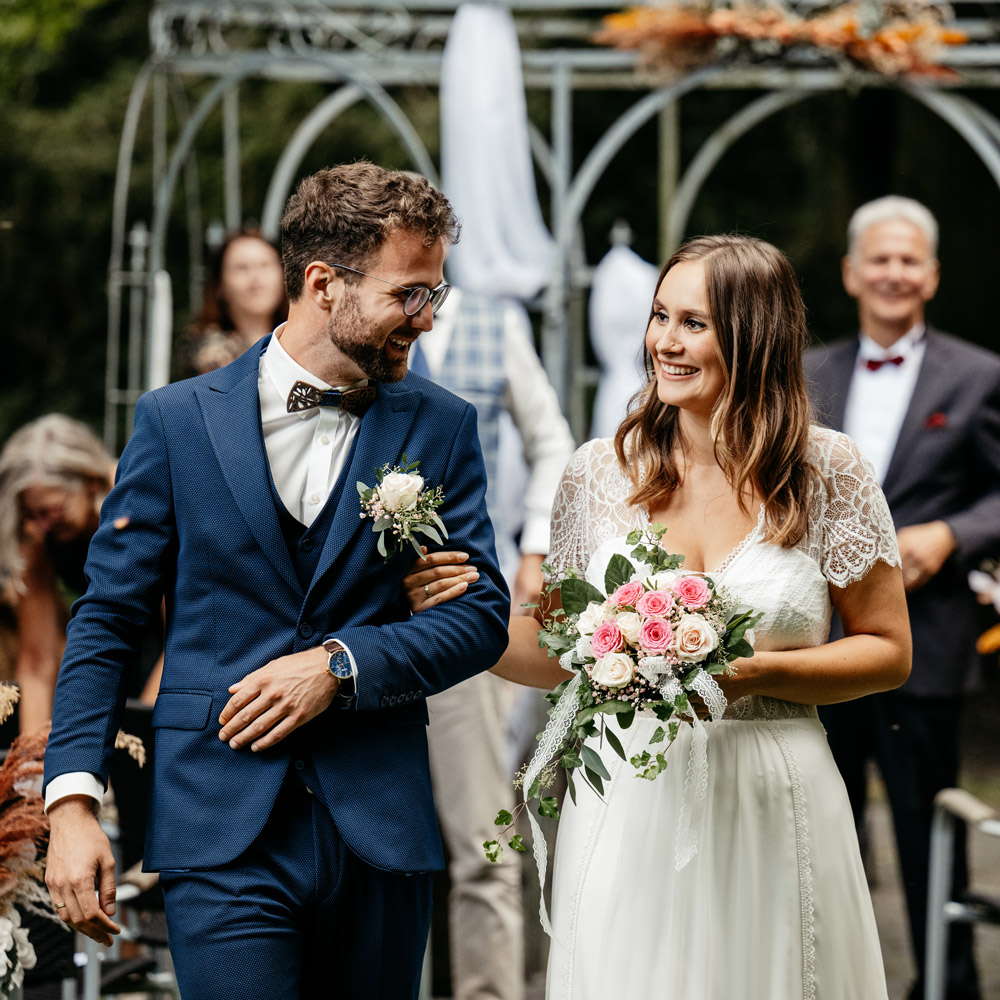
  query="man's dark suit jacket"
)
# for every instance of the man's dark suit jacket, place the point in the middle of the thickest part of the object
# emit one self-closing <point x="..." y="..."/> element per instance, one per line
<point x="945" y="466"/>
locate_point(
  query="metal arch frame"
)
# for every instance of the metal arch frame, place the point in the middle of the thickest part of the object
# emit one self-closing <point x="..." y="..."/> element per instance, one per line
<point x="563" y="71"/>
<point x="159" y="335"/>
<point x="308" y="131"/>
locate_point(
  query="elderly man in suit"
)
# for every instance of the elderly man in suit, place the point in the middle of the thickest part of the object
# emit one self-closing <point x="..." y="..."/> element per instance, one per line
<point x="924" y="407"/>
<point x="291" y="818"/>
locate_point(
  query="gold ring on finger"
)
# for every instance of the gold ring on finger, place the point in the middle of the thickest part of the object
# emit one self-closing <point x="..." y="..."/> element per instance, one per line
<point x="60" y="906"/>
<point x="427" y="590"/>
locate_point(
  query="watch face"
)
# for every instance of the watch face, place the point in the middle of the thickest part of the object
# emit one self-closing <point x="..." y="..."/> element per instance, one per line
<point x="340" y="664"/>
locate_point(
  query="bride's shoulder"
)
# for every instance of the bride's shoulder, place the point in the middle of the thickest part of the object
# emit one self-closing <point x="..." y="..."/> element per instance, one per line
<point x="834" y="451"/>
<point x="593" y="454"/>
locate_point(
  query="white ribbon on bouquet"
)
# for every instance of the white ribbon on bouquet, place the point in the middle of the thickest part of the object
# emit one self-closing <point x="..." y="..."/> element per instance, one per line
<point x="695" y="781"/>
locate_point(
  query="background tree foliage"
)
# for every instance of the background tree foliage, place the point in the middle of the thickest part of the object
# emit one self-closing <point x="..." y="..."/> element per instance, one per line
<point x="66" y="68"/>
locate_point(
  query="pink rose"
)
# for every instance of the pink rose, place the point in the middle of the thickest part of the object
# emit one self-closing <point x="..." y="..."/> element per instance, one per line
<point x="627" y="594"/>
<point x="656" y="636"/>
<point x="692" y="591"/>
<point x="606" y="639"/>
<point x="655" y="604"/>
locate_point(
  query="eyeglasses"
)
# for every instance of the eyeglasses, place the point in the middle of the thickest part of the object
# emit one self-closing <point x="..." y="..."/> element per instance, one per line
<point x="419" y="295"/>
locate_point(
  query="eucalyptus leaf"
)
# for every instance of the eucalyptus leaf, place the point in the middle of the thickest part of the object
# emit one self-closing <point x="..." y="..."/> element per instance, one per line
<point x="362" y="489"/>
<point x="595" y="780"/>
<point x="382" y="524"/>
<point x="592" y="761"/>
<point x="430" y="532"/>
<point x="416" y="547"/>
<point x="625" y="719"/>
<point x="381" y="546"/>
<point x="614" y="742"/>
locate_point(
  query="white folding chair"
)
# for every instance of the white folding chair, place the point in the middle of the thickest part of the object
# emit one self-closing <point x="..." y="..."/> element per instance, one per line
<point x="951" y="806"/>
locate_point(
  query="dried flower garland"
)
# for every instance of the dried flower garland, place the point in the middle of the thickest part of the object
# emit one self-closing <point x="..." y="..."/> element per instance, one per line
<point x="896" y="40"/>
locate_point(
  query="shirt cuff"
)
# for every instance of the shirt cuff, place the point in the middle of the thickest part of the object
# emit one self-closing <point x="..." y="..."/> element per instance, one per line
<point x="534" y="538"/>
<point x="73" y="783"/>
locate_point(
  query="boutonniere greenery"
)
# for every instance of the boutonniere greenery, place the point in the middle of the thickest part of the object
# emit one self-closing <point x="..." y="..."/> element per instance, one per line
<point x="402" y="506"/>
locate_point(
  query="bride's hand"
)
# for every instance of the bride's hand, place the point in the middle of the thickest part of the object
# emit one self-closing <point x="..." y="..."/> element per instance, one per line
<point x="438" y="577"/>
<point x="734" y="685"/>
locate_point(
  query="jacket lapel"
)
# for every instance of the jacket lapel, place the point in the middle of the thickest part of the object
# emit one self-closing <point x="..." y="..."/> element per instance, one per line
<point x="834" y="380"/>
<point x="381" y="439"/>
<point x="230" y="407"/>
<point x="929" y="394"/>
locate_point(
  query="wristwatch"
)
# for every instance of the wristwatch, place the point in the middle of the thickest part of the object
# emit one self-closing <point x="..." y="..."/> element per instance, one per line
<point x="339" y="664"/>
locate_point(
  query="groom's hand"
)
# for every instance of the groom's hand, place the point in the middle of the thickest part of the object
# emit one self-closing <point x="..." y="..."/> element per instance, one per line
<point x="80" y="859"/>
<point x="274" y="701"/>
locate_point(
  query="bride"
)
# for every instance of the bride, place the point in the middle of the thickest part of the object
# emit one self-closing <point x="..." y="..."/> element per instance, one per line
<point x="790" y="519"/>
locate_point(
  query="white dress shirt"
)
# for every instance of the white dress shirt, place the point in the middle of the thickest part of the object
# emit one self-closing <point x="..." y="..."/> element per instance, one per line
<point x="306" y="451"/>
<point x="878" y="400"/>
<point x="534" y="407"/>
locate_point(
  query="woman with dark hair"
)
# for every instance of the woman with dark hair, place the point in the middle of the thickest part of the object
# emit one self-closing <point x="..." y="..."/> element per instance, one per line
<point x="244" y="300"/>
<point x="789" y="518"/>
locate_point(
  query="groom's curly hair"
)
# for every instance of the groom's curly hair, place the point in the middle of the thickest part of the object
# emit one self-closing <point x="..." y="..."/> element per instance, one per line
<point x="343" y="215"/>
<point x="761" y="419"/>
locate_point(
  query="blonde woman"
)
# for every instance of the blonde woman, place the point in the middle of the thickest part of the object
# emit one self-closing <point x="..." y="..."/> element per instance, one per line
<point x="54" y="474"/>
<point x="718" y="446"/>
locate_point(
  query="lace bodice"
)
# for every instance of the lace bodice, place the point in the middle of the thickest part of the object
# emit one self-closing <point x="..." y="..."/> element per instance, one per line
<point x="850" y="530"/>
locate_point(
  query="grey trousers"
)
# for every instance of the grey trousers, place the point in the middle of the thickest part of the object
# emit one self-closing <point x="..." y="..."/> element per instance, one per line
<point x="470" y="773"/>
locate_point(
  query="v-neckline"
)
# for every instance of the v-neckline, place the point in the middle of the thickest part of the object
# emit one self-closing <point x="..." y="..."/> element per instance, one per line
<point x="732" y="555"/>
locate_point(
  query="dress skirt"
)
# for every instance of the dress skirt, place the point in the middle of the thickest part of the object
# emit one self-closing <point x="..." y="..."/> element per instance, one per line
<point x="773" y="906"/>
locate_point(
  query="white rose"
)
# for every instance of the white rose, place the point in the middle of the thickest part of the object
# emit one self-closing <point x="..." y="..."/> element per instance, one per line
<point x="629" y="624"/>
<point x="614" y="670"/>
<point x="6" y="934"/>
<point x="654" y="668"/>
<point x="398" y="491"/>
<point x="662" y="581"/>
<point x="584" y="648"/>
<point x="591" y="617"/>
<point x="694" y="638"/>
<point x="25" y="949"/>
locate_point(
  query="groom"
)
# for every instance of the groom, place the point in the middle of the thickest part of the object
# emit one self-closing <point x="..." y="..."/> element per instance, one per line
<point x="291" y="817"/>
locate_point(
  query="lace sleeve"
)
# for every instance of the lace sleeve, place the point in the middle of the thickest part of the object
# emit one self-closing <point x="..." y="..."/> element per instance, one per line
<point x="855" y="526"/>
<point x="567" y="547"/>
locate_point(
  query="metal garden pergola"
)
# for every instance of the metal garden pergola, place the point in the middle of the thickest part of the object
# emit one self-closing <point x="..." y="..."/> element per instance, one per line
<point x="367" y="52"/>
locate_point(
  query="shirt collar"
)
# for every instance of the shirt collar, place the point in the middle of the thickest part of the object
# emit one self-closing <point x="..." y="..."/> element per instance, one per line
<point x="870" y="350"/>
<point x="284" y="371"/>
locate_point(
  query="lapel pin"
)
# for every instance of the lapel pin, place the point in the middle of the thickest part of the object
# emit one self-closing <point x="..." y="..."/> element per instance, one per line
<point x="935" y="420"/>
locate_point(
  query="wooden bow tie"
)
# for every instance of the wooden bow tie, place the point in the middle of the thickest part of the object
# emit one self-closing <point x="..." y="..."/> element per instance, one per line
<point x="304" y="396"/>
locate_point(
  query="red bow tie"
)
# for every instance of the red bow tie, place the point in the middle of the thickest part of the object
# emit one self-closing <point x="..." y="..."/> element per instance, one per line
<point x="873" y="365"/>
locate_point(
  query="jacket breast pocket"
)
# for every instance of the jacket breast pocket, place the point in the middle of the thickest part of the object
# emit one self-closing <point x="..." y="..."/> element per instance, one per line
<point x="182" y="709"/>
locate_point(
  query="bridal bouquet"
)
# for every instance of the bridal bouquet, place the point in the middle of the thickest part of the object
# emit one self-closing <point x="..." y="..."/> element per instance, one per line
<point x="657" y="639"/>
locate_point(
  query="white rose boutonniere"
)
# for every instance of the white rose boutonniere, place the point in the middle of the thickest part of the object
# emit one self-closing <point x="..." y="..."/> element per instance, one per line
<point x="401" y="508"/>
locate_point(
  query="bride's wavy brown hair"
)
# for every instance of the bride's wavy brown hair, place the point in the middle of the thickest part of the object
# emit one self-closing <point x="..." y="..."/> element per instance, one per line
<point x="761" y="420"/>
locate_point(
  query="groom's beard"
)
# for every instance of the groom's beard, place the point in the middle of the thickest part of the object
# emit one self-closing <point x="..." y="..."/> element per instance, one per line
<point x="359" y="339"/>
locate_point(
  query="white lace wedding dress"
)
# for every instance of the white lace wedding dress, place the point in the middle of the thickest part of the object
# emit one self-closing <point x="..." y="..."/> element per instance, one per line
<point x="774" y="905"/>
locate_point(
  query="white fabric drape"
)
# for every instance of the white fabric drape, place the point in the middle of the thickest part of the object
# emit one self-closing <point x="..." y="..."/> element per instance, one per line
<point x="486" y="166"/>
<point x="620" y="298"/>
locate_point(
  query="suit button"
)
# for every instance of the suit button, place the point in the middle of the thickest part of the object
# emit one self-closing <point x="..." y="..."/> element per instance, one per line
<point x="300" y="765"/>
<point x="305" y="630"/>
<point x="306" y="545"/>
<point x="385" y="701"/>
<point x="392" y="700"/>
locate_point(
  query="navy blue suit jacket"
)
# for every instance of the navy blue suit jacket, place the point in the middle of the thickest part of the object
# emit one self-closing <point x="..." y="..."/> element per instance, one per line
<point x="202" y="529"/>
<point x="945" y="466"/>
